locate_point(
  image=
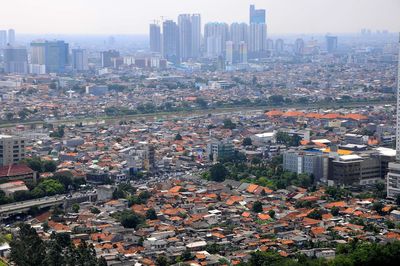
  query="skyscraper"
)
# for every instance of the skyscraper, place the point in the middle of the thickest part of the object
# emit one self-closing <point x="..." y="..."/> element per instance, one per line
<point x="299" y="46"/>
<point x="257" y="32"/>
<point x="239" y="32"/>
<point x="3" y="38"/>
<point x="170" y="41"/>
<point x="11" y="36"/>
<point x="243" y="52"/>
<point x="57" y="53"/>
<point x="79" y="60"/>
<point x="215" y="37"/>
<point x="331" y="43"/>
<point x="257" y="16"/>
<point x="196" y="35"/>
<point x="258" y="38"/>
<point x="279" y="46"/>
<point x="107" y="58"/>
<point x="15" y="60"/>
<point x="393" y="176"/>
<point x="38" y="57"/>
<point x="189" y="36"/>
<point x="229" y="52"/>
<point x="155" y="38"/>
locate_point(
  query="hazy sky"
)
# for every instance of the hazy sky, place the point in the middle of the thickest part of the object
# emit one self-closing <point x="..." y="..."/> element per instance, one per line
<point x="133" y="16"/>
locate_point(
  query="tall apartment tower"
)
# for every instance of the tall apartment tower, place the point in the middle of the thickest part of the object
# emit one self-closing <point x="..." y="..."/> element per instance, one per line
<point x="331" y="43"/>
<point x="12" y="149"/>
<point x="11" y="36"/>
<point x="79" y="60"/>
<point x="170" y="40"/>
<point x="189" y="36"/>
<point x="257" y="31"/>
<point x="107" y="58"/>
<point x="15" y="60"/>
<point x="155" y="38"/>
<point x="393" y="176"/>
<point x="3" y="38"/>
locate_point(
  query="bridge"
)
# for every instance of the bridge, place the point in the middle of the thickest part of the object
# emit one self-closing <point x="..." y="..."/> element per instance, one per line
<point x="24" y="206"/>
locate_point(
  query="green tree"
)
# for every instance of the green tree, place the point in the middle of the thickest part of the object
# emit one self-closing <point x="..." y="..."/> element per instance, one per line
<point x="247" y="141"/>
<point x="335" y="211"/>
<point x="257" y="207"/>
<point x="271" y="213"/>
<point x="75" y="208"/>
<point x="151" y="214"/>
<point x="130" y="219"/>
<point x="315" y="214"/>
<point x="27" y="248"/>
<point x="218" y="172"/>
<point x="178" y="137"/>
<point x="229" y="124"/>
<point x="162" y="261"/>
<point x="49" y="166"/>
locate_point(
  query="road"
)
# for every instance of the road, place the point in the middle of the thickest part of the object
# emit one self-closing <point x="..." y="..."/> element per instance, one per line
<point x="197" y="112"/>
<point x="46" y="201"/>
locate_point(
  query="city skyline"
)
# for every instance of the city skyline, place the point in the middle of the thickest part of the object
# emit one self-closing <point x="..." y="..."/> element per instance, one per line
<point x="126" y="17"/>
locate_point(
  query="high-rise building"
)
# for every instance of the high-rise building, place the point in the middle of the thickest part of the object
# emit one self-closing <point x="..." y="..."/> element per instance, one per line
<point x="107" y="58"/>
<point x="279" y="46"/>
<point x="257" y="16"/>
<point x="171" y="41"/>
<point x="393" y="177"/>
<point x="196" y="35"/>
<point x="331" y="43"/>
<point x="189" y="36"/>
<point x="299" y="46"/>
<point x="243" y="52"/>
<point x="229" y="52"/>
<point x="11" y="36"/>
<point x="155" y="38"/>
<point x="57" y="53"/>
<point x="51" y="56"/>
<point x="3" y="38"/>
<point x="79" y="60"/>
<point x="38" y="57"/>
<point x="239" y="32"/>
<point x="12" y="149"/>
<point x="15" y="60"/>
<point x="258" y="38"/>
<point x="257" y="31"/>
<point x="215" y="36"/>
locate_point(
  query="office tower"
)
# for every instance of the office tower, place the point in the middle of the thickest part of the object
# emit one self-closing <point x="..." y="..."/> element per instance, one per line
<point x="299" y="46"/>
<point x="239" y="32"/>
<point x="11" y="37"/>
<point x="189" y="36"/>
<point x="243" y="52"/>
<point x="215" y="36"/>
<point x="393" y="176"/>
<point x="155" y="38"/>
<point x="185" y="36"/>
<point x="331" y="43"/>
<point x="258" y="38"/>
<point x="229" y="52"/>
<point x="79" y="60"/>
<point x="15" y="60"/>
<point x="279" y="46"/>
<point x="107" y="58"/>
<point x="257" y="16"/>
<point x="257" y="31"/>
<point x="270" y="44"/>
<point x="38" y="58"/>
<point x="57" y="53"/>
<point x="171" y="41"/>
<point x="196" y="35"/>
<point x="12" y="149"/>
<point x="3" y="38"/>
